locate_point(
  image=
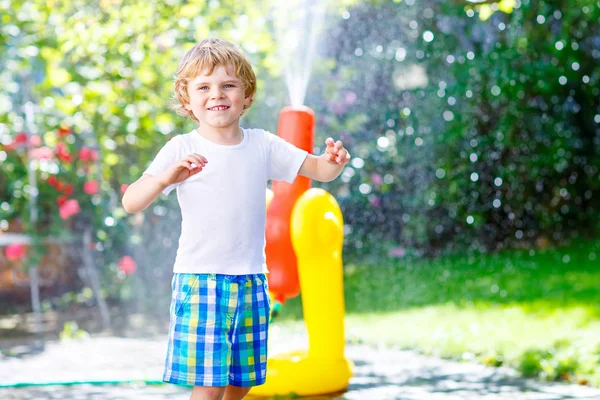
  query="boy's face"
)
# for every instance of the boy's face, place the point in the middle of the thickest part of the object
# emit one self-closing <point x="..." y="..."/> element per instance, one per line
<point x="218" y="99"/>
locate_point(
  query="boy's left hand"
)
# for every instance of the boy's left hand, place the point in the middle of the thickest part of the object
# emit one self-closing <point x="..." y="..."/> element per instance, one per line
<point x="335" y="153"/>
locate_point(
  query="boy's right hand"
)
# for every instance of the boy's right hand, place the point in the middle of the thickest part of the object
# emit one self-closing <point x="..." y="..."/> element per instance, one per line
<point x="183" y="169"/>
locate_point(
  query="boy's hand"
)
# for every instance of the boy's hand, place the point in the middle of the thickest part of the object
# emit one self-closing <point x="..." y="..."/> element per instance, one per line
<point x="335" y="153"/>
<point x="183" y="169"/>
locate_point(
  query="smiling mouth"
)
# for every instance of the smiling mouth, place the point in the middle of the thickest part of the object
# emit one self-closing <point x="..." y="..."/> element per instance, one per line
<point x="219" y="108"/>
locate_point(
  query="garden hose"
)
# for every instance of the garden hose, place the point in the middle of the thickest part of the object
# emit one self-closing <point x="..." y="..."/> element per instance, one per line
<point x="73" y="383"/>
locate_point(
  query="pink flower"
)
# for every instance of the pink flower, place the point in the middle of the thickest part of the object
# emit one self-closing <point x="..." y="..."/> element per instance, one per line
<point x="398" y="252"/>
<point x="377" y="179"/>
<point x="35" y="140"/>
<point x="375" y="201"/>
<point x="127" y="265"/>
<point x="124" y="187"/>
<point x="91" y="187"/>
<point x="14" y="251"/>
<point x="87" y="154"/>
<point x="350" y="97"/>
<point x="69" y="208"/>
<point x="42" y="153"/>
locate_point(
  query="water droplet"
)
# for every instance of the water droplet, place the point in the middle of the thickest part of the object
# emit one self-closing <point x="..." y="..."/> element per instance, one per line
<point x="400" y="54"/>
<point x="474" y="176"/>
<point x="541" y="19"/>
<point x="470" y="219"/>
<point x="440" y="173"/>
<point x="383" y="142"/>
<point x="428" y="36"/>
<point x="357" y="162"/>
<point x="364" y="188"/>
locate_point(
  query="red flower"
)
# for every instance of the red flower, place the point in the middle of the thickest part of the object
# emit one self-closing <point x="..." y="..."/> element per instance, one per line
<point x="52" y="180"/>
<point x="19" y="142"/>
<point x="14" y="251"/>
<point x="21" y="138"/>
<point x="69" y="208"/>
<point x="91" y="187"/>
<point x="61" y="200"/>
<point x="62" y="153"/>
<point x="124" y="187"/>
<point x="68" y="190"/>
<point x="127" y="265"/>
<point x="63" y="131"/>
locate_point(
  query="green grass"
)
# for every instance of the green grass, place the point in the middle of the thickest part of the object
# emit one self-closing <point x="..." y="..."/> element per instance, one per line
<point x="537" y="311"/>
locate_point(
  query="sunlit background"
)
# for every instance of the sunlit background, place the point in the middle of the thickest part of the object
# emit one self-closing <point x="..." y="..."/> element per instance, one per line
<point x="471" y="202"/>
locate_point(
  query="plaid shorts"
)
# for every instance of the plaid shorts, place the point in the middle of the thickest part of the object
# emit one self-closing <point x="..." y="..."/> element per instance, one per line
<point x="218" y="331"/>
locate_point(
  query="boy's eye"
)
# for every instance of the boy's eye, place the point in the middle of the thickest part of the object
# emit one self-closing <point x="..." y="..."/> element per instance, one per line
<point x="228" y="85"/>
<point x="203" y="88"/>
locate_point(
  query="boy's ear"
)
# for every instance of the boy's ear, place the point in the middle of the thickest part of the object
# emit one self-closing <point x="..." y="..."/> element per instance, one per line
<point x="248" y="100"/>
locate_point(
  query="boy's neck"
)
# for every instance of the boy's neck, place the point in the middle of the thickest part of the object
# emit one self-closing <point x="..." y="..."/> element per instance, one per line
<point x="226" y="136"/>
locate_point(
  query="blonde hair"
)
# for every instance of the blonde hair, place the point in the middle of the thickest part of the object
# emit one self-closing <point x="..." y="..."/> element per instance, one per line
<point x="205" y="56"/>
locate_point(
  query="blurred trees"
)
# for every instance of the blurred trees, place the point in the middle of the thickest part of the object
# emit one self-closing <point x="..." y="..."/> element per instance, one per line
<point x="478" y="129"/>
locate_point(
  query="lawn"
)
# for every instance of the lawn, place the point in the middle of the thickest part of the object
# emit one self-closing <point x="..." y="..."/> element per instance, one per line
<point x="535" y="310"/>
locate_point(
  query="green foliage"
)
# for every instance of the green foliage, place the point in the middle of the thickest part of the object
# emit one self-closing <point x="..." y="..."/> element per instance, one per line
<point x="71" y="331"/>
<point x="476" y="132"/>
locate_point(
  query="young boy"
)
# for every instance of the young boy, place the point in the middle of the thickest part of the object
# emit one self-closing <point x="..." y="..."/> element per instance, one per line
<point x="220" y="303"/>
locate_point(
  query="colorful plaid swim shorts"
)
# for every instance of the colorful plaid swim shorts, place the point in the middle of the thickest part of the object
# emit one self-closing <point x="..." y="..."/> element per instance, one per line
<point x="218" y="331"/>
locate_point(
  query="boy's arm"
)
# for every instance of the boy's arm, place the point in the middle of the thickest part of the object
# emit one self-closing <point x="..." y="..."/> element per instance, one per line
<point x="140" y="194"/>
<point x="327" y="166"/>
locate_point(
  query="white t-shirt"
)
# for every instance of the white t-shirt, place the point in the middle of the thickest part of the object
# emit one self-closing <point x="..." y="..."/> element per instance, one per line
<point x="223" y="207"/>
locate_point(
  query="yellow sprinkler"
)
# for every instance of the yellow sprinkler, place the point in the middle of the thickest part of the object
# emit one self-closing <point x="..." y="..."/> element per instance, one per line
<point x="317" y="238"/>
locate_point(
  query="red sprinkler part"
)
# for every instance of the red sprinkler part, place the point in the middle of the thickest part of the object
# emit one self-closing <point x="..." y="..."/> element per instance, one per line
<point x="297" y="126"/>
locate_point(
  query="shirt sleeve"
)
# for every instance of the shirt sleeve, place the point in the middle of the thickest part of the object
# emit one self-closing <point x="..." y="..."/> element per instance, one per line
<point x="285" y="159"/>
<point x="166" y="157"/>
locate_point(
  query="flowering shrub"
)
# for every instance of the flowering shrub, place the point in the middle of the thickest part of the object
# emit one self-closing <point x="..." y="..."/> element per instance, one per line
<point x="64" y="179"/>
<point x="64" y="176"/>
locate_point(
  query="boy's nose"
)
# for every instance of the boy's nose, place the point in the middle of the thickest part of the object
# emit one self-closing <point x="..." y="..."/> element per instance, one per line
<point x="216" y="94"/>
